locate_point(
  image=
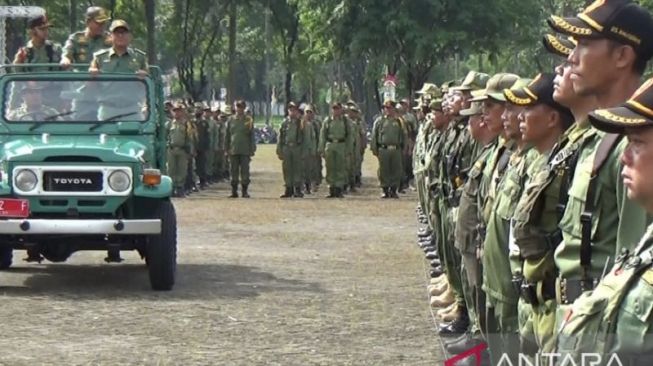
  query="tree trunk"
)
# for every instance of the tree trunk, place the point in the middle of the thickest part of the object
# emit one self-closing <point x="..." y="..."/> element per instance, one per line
<point x="150" y="10"/>
<point x="72" y="15"/>
<point x="233" y="12"/>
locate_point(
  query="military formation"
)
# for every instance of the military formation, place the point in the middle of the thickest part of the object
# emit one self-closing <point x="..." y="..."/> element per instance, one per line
<point x="307" y="144"/>
<point x="535" y="199"/>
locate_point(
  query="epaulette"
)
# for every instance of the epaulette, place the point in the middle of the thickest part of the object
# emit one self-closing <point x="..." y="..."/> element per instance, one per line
<point x="80" y="36"/>
<point x="101" y="52"/>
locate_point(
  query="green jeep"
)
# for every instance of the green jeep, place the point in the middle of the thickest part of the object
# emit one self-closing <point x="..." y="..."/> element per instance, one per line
<point x="81" y="163"/>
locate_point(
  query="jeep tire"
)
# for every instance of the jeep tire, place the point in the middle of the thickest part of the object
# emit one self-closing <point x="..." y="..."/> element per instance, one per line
<point x="161" y="253"/>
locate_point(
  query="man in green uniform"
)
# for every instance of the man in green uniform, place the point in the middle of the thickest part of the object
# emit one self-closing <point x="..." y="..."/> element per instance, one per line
<point x="179" y="146"/>
<point x="39" y="49"/>
<point x="120" y="58"/>
<point x="388" y="141"/>
<point x="225" y="113"/>
<point x="535" y="223"/>
<point x="217" y="145"/>
<point x="432" y="156"/>
<point x="81" y="46"/>
<point x="614" y="44"/>
<point x="410" y="121"/>
<point x="32" y="108"/>
<point x="543" y="121"/>
<point x="501" y="296"/>
<point x="336" y="140"/>
<point x="316" y="160"/>
<point x="291" y="149"/>
<point x="355" y="116"/>
<point x="613" y="322"/>
<point x="241" y="146"/>
<point x="310" y="161"/>
<point x="459" y="151"/>
<point x="485" y="127"/>
<point x="210" y="156"/>
<point x="203" y="146"/>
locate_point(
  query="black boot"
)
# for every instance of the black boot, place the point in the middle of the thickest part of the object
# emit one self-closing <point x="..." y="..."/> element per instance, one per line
<point x="393" y="192"/>
<point x="352" y="188"/>
<point x="386" y="192"/>
<point x="339" y="193"/>
<point x="308" y="187"/>
<point x="358" y="181"/>
<point x="332" y="193"/>
<point x="234" y="191"/>
<point x="457" y="326"/>
<point x="245" y="193"/>
<point x="287" y="193"/>
<point x="298" y="192"/>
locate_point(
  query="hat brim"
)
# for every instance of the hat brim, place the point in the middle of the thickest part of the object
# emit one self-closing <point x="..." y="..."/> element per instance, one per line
<point x="616" y="120"/>
<point x="556" y="46"/>
<point x="518" y="97"/>
<point x="572" y="26"/>
<point x="101" y="19"/>
<point x="470" y="112"/>
<point x="480" y="98"/>
<point x="461" y="88"/>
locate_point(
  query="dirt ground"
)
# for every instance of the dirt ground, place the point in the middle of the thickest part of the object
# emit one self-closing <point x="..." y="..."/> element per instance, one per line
<point x="260" y="282"/>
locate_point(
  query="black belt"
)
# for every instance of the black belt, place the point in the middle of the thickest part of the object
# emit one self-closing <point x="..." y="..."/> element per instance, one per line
<point x="339" y="141"/>
<point x="539" y="292"/>
<point x="568" y="290"/>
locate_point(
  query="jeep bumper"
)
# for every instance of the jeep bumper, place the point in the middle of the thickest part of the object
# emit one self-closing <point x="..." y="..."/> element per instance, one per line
<point x="82" y="227"/>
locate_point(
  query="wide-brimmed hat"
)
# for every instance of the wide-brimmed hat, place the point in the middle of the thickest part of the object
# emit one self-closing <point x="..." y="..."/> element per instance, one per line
<point x="623" y="21"/>
<point x="636" y="112"/>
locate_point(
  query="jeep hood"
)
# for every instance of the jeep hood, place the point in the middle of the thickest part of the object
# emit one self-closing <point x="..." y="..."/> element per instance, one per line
<point x="105" y="148"/>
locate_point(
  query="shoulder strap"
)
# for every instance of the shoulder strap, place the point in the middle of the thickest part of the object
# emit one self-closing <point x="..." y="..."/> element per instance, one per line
<point x="570" y="160"/>
<point x="604" y="149"/>
<point x="502" y="163"/>
<point x="29" y="51"/>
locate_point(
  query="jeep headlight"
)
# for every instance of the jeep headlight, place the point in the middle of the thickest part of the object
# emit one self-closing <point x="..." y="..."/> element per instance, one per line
<point x="119" y="181"/>
<point x="26" y="180"/>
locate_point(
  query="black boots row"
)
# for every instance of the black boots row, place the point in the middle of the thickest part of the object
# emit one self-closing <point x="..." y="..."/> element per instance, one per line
<point x="389" y="192"/>
<point x="292" y="192"/>
<point x="335" y="192"/>
<point x="234" y="191"/>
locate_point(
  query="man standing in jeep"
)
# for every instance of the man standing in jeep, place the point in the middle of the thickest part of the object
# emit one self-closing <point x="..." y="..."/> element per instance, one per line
<point x="38" y="50"/>
<point x="81" y="46"/>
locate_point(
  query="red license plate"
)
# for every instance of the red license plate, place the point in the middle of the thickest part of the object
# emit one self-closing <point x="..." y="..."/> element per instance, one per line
<point x="10" y="207"/>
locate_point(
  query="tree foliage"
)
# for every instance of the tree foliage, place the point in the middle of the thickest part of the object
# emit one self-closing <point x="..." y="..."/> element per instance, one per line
<point x="321" y="50"/>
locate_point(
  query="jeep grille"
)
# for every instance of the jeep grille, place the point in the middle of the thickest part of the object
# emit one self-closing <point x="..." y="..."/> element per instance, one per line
<point x="58" y="181"/>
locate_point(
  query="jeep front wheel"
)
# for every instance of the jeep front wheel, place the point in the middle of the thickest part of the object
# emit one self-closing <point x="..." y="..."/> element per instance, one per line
<point x="161" y="253"/>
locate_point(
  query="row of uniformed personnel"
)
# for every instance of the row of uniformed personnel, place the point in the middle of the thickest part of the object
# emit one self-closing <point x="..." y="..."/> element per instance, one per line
<point x="537" y="198"/>
<point x="304" y="140"/>
<point x="206" y="146"/>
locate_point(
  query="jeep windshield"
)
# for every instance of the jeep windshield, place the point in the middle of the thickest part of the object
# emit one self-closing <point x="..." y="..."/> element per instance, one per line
<point x="88" y="100"/>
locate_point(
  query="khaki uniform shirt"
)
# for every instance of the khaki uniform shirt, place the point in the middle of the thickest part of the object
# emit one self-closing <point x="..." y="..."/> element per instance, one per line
<point x="108" y="60"/>
<point x="80" y="48"/>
